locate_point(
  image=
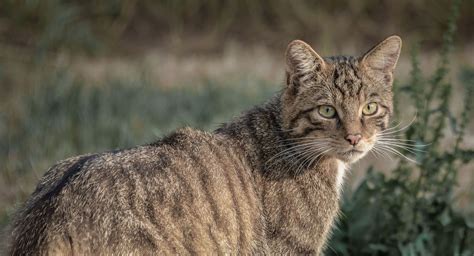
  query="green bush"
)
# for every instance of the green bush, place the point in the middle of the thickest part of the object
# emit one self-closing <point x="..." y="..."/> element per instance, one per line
<point x="411" y="211"/>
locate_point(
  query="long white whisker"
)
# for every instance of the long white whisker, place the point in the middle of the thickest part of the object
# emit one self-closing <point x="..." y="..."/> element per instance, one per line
<point x="403" y="145"/>
<point x="382" y="152"/>
<point x="309" y="159"/>
<point x="318" y="156"/>
<point x="291" y="143"/>
<point x="298" y="145"/>
<point x="410" y="146"/>
<point x="300" y="158"/>
<point x="397" y="153"/>
<point x="412" y="151"/>
<point x="390" y="138"/>
<point x="291" y="152"/>
<point x="297" y="139"/>
<point x="399" y="130"/>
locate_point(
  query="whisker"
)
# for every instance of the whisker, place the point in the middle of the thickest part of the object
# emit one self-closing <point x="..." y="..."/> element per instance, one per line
<point x="412" y="151"/>
<point x="300" y="142"/>
<point x="300" y="158"/>
<point x="392" y="138"/>
<point x="384" y="154"/>
<point x="311" y="159"/>
<point x="291" y="152"/>
<point x="392" y="150"/>
<point x="404" y="145"/>
<point x="302" y="139"/>
<point x="413" y="146"/>
<point x="318" y="156"/>
<point x="378" y="155"/>
<point x="296" y="145"/>
<point x="399" y="130"/>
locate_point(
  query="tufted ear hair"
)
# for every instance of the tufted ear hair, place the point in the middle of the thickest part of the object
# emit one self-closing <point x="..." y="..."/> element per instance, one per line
<point x="302" y="59"/>
<point x="384" y="56"/>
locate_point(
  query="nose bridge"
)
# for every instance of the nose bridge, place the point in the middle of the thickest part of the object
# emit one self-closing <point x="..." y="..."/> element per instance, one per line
<point x="352" y="124"/>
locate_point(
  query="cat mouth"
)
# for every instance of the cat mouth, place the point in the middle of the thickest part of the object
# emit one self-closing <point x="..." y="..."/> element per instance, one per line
<point x="352" y="152"/>
<point x="351" y="155"/>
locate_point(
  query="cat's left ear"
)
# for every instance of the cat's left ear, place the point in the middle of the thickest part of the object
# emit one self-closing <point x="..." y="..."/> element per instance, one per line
<point x="384" y="56"/>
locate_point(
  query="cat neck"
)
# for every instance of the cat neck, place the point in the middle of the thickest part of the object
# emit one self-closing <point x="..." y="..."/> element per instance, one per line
<point x="259" y="136"/>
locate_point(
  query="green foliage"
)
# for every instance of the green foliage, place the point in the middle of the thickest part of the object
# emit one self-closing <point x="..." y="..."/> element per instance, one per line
<point x="411" y="212"/>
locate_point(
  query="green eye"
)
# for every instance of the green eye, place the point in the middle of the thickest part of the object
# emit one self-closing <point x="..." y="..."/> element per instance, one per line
<point x="327" y="111"/>
<point x="370" y="109"/>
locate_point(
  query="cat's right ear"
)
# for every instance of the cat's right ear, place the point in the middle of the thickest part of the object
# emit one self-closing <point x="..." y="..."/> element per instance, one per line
<point x="302" y="59"/>
<point x="301" y="63"/>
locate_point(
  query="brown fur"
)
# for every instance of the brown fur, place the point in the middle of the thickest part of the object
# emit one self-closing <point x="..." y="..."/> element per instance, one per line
<point x="253" y="186"/>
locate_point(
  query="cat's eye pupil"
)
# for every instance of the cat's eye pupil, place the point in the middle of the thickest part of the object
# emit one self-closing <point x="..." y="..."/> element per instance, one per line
<point x="327" y="111"/>
<point x="370" y="108"/>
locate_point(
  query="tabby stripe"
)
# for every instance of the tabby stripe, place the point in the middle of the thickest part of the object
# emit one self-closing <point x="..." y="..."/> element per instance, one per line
<point x="188" y="239"/>
<point x="204" y="181"/>
<point x="150" y="212"/>
<point x="251" y="130"/>
<point x="381" y="125"/>
<point x="214" y="239"/>
<point x="304" y="193"/>
<point x="133" y="184"/>
<point x="299" y="116"/>
<point x="283" y="202"/>
<point x="276" y="126"/>
<point x="190" y="192"/>
<point x="240" y="175"/>
<point x="380" y="122"/>
<point x="235" y="202"/>
<point x="336" y="76"/>
<point x="359" y="89"/>
<point x="309" y="130"/>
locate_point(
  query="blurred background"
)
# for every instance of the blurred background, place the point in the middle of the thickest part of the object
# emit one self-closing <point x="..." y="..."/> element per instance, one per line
<point x="88" y="76"/>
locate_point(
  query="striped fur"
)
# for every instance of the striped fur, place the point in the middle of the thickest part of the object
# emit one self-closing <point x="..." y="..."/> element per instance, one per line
<point x="250" y="187"/>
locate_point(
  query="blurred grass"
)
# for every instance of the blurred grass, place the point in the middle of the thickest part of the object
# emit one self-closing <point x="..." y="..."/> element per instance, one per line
<point x="62" y="117"/>
<point x="47" y="25"/>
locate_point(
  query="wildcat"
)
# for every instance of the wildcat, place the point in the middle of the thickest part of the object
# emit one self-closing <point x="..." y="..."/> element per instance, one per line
<point x="267" y="182"/>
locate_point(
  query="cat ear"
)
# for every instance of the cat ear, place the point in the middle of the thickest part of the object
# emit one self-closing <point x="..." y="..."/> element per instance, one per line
<point x="302" y="59"/>
<point x="384" y="56"/>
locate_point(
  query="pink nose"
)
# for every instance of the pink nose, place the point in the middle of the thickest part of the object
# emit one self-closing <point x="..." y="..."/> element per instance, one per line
<point x="353" y="139"/>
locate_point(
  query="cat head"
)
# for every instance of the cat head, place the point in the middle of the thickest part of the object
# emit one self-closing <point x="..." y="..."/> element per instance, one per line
<point x="338" y="105"/>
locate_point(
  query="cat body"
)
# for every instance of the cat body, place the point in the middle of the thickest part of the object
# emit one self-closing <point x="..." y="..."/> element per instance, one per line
<point x="268" y="182"/>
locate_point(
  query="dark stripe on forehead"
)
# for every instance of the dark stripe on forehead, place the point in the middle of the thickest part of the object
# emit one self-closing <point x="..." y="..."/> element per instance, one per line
<point x="336" y="76"/>
<point x="351" y="83"/>
<point x="359" y="89"/>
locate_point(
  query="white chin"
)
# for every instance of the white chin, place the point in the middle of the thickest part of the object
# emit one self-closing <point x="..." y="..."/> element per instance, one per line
<point x="352" y="157"/>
